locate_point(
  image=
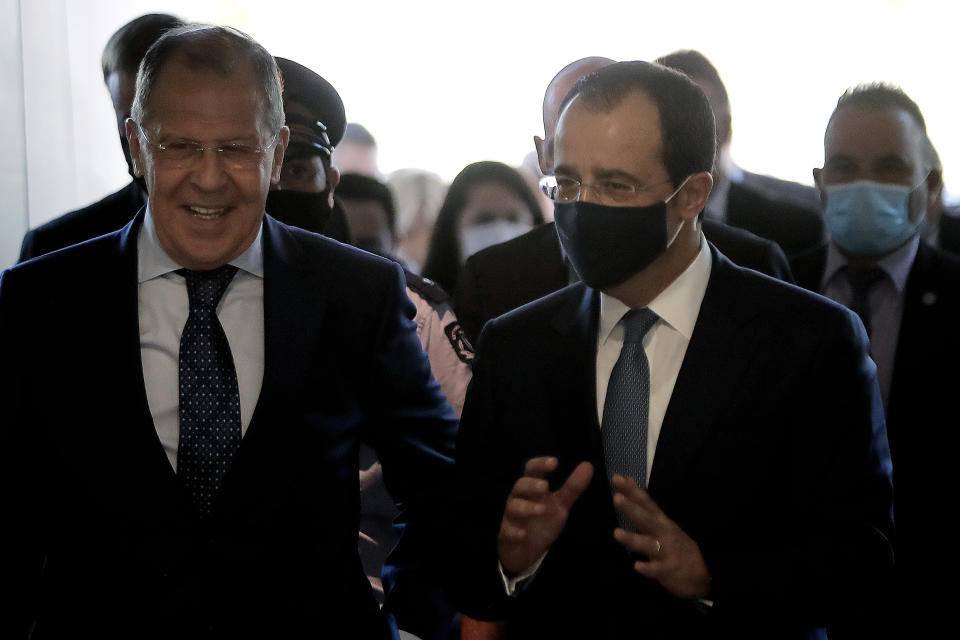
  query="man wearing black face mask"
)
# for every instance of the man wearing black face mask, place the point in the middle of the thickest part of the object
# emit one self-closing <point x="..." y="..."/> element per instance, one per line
<point x="120" y="60"/>
<point x="676" y="447"/>
<point x="314" y="112"/>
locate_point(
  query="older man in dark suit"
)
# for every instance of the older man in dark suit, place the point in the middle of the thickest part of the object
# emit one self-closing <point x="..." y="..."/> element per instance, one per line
<point x="186" y="397"/>
<point x="879" y="182"/>
<point x="676" y="446"/>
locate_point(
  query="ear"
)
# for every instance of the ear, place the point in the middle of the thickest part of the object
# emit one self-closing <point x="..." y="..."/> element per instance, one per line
<point x="693" y="196"/>
<point x="818" y="180"/>
<point x="543" y="150"/>
<point x="333" y="179"/>
<point x="934" y="189"/>
<point x="136" y="151"/>
<point x="283" y="139"/>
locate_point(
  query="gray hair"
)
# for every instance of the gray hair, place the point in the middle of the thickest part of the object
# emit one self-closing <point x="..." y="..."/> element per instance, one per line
<point x="211" y="48"/>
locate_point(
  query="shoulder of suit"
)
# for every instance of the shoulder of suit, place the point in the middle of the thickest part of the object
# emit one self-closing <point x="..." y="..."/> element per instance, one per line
<point x="756" y="198"/>
<point x="540" y="312"/>
<point x="103" y="216"/>
<point x="62" y="269"/>
<point x="339" y="263"/>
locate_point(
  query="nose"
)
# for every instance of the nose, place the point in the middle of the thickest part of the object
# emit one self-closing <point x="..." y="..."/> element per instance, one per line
<point x="209" y="173"/>
<point x="594" y="199"/>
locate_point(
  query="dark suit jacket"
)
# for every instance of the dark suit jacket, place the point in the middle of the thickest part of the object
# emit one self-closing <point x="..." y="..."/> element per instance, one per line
<point x="801" y="195"/>
<point x="795" y="228"/>
<point x="921" y="421"/>
<point x="105" y="541"/>
<point x="772" y="457"/>
<point x="104" y="216"/>
<point x="513" y="273"/>
<point x="949" y="231"/>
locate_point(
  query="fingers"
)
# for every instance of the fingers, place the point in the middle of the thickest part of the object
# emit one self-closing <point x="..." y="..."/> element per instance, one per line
<point x="629" y="488"/>
<point x="638" y="506"/>
<point x="575" y="485"/>
<point x="540" y="467"/>
<point x="526" y="500"/>
<point x="644" y="544"/>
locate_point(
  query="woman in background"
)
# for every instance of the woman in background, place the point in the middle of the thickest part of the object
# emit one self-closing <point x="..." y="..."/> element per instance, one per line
<point x="487" y="203"/>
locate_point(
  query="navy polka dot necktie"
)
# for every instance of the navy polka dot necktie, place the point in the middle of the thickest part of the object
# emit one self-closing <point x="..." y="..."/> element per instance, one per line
<point x="627" y="405"/>
<point x="209" y="396"/>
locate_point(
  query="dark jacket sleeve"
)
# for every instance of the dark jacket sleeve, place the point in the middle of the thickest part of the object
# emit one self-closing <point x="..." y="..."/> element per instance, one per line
<point x="413" y="431"/>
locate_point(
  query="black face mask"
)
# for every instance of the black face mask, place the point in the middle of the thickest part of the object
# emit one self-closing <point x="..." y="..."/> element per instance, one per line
<point x="606" y="245"/>
<point x="310" y="211"/>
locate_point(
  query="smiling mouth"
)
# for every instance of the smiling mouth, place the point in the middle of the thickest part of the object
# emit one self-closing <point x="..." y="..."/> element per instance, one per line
<point x="207" y="213"/>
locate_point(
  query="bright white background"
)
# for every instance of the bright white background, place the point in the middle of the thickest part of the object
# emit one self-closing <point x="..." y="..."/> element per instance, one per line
<point x="442" y="83"/>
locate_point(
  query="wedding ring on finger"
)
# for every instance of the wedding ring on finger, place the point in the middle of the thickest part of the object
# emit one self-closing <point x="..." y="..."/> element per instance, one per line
<point x="659" y="547"/>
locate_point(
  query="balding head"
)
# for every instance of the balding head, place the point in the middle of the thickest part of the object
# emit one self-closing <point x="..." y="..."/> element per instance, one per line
<point x="553" y="98"/>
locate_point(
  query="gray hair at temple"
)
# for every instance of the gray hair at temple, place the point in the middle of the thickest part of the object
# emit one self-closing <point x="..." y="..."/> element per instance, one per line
<point x="212" y="48"/>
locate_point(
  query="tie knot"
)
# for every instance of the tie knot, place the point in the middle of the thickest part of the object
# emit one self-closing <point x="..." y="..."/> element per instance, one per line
<point x="862" y="279"/>
<point x="205" y="288"/>
<point x="636" y="323"/>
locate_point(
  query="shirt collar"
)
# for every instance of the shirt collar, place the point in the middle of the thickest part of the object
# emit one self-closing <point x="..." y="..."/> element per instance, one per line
<point x="678" y="305"/>
<point x="896" y="265"/>
<point x="153" y="261"/>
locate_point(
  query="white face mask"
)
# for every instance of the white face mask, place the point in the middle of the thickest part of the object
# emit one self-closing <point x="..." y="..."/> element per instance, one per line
<point x="473" y="239"/>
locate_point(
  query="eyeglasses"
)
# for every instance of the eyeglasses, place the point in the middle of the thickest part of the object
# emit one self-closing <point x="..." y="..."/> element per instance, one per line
<point x="568" y="189"/>
<point x="187" y="154"/>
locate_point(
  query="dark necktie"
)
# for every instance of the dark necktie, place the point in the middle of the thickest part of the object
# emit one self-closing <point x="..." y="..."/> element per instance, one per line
<point x="627" y="405"/>
<point x="209" y="396"/>
<point x="862" y="281"/>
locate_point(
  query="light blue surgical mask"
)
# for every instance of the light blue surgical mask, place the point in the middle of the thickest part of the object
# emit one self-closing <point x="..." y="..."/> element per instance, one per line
<point x="869" y="218"/>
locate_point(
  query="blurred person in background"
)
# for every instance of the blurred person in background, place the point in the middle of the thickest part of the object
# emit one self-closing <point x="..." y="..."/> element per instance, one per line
<point x="942" y="228"/>
<point x="371" y="215"/>
<point x="779" y="210"/>
<point x="304" y="196"/>
<point x="418" y="195"/>
<point x="879" y="183"/>
<point x="487" y="203"/>
<point x="120" y="60"/>
<point x="357" y="152"/>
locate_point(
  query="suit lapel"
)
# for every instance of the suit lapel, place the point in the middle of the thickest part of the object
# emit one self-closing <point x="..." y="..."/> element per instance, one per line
<point x="293" y="308"/>
<point x="719" y="352"/>
<point x="128" y="441"/>
<point x="920" y="334"/>
<point x="577" y="329"/>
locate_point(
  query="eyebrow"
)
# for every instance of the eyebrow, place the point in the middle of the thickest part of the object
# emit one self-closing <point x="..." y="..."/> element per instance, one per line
<point x="605" y="174"/>
<point x="244" y="139"/>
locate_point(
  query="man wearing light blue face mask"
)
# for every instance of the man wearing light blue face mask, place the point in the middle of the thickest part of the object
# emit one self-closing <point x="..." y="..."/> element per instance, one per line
<point x="879" y="180"/>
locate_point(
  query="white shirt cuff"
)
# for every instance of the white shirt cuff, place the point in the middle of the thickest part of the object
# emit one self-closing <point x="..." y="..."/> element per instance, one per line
<point x="512" y="585"/>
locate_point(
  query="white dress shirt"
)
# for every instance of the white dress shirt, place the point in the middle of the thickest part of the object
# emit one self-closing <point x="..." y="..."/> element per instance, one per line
<point x="664" y="345"/>
<point x="163" y="310"/>
<point x="885" y="303"/>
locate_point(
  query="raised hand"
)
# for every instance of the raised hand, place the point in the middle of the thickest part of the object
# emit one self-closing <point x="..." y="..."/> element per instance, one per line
<point x="534" y="516"/>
